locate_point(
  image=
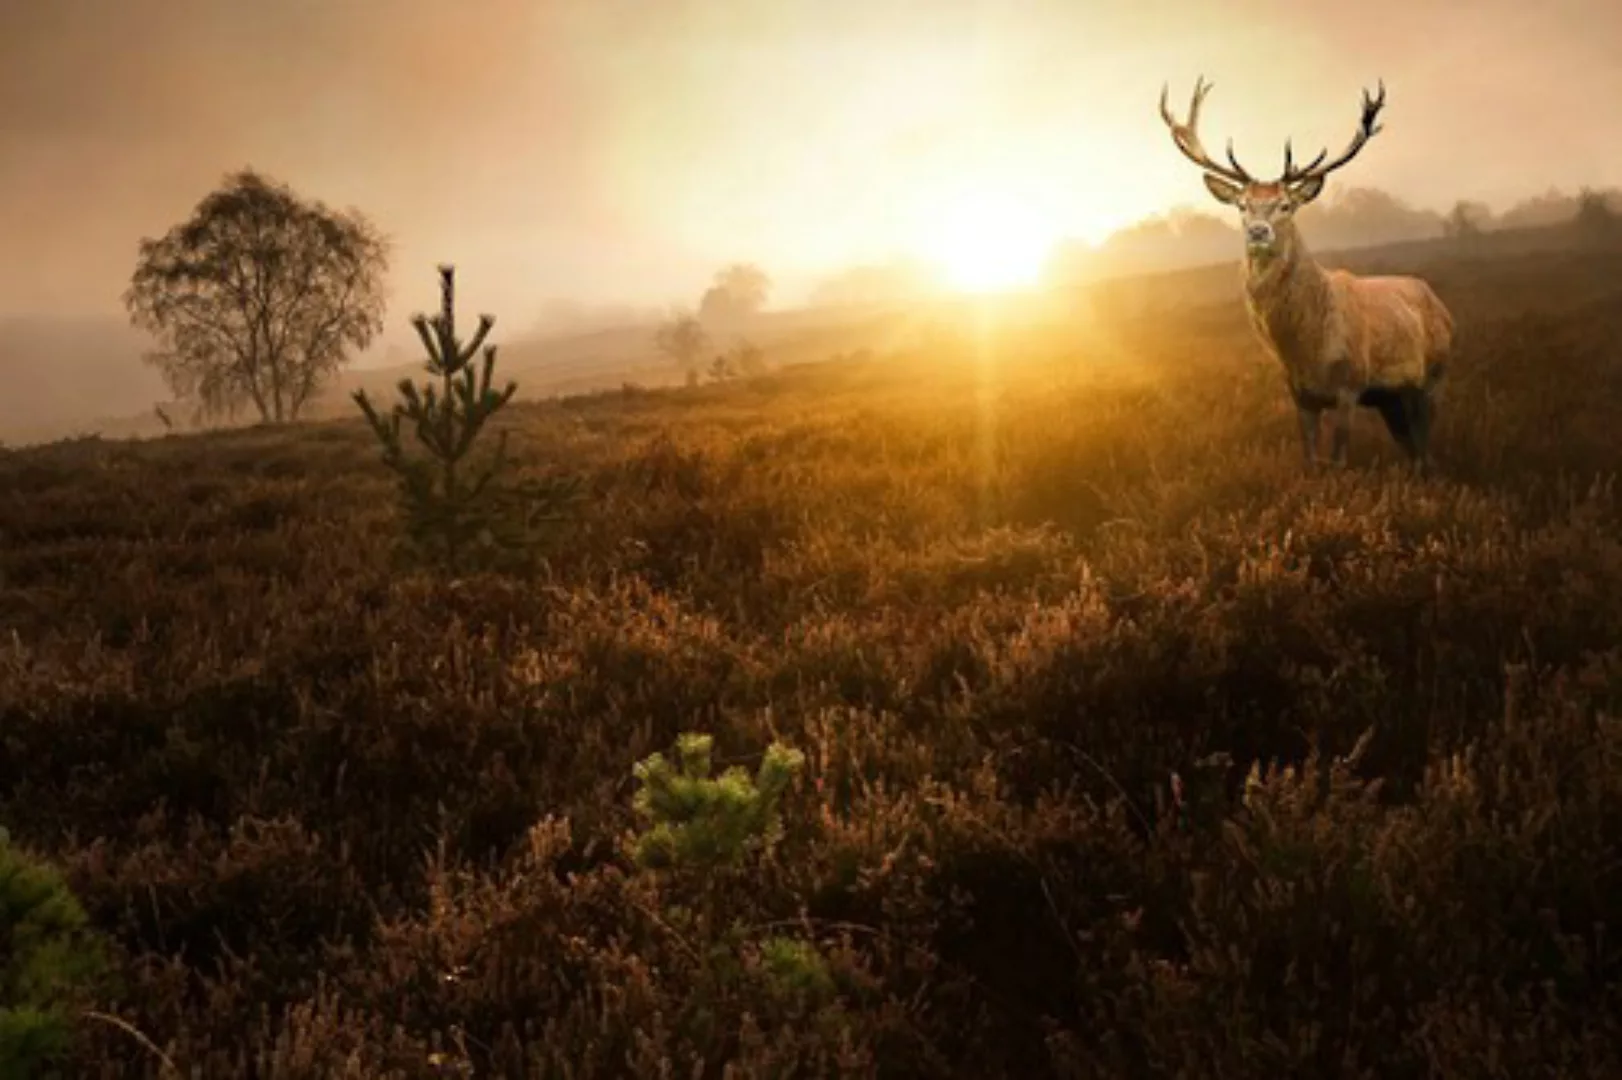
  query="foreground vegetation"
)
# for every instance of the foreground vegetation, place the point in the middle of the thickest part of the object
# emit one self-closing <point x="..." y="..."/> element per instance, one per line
<point x="1127" y="749"/>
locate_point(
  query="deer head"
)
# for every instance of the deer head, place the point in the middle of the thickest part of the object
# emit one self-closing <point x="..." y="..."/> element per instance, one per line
<point x="1265" y="206"/>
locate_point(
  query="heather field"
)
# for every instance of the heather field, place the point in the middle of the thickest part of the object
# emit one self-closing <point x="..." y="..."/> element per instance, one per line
<point x="1129" y="749"/>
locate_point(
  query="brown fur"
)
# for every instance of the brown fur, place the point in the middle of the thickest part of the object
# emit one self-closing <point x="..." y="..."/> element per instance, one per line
<point x="1338" y="334"/>
<point x="1342" y="340"/>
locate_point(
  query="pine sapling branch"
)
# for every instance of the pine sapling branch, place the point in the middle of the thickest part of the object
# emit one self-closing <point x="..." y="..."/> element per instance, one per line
<point x="450" y="505"/>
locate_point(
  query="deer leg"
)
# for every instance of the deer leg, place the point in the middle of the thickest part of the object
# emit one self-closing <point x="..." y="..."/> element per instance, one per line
<point x="1309" y="434"/>
<point x="1342" y="440"/>
<point x="1421" y="408"/>
<point x="1398" y="417"/>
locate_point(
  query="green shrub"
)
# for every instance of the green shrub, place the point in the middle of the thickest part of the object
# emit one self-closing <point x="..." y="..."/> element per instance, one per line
<point x="47" y="959"/>
<point x="696" y="820"/>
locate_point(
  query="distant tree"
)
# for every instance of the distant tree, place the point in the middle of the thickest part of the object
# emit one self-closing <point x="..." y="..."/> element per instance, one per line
<point x="682" y="338"/>
<point x="1363" y="217"/>
<point x="1595" y="219"/>
<point x="258" y="297"/>
<point x="1467" y="219"/>
<point x="747" y="359"/>
<point x="744" y="360"/>
<point x="739" y="291"/>
<point x="1182" y="237"/>
<point x="1553" y="207"/>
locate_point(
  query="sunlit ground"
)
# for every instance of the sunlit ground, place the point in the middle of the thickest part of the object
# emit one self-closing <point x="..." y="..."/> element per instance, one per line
<point x="994" y="585"/>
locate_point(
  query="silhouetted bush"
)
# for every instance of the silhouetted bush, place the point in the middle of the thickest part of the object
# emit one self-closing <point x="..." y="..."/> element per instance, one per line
<point x="47" y="962"/>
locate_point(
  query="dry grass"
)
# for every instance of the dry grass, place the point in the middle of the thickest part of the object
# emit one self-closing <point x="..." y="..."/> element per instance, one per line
<point x="338" y="820"/>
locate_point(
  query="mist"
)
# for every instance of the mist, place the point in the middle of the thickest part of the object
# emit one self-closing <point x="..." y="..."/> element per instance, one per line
<point x="593" y="161"/>
<point x="616" y="152"/>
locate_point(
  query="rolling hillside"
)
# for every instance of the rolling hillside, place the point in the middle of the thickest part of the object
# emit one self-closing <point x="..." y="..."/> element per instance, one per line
<point x="87" y="378"/>
<point x="1129" y="750"/>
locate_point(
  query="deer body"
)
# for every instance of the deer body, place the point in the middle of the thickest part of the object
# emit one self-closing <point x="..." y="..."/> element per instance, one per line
<point x="1342" y="340"/>
<point x="1345" y="341"/>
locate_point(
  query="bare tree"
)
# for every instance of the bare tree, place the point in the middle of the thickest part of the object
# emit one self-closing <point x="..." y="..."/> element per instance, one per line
<point x="682" y="338"/>
<point x="258" y="297"/>
<point x="1466" y="220"/>
<point x="1595" y="220"/>
<point x="739" y="291"/>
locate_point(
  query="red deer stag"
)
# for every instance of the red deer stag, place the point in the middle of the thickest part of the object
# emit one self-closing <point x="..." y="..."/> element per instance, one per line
<point x="1344" y="340"/>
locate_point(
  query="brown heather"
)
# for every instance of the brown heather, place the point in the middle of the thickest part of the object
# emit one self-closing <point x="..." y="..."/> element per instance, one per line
<point x="339" y="821"/>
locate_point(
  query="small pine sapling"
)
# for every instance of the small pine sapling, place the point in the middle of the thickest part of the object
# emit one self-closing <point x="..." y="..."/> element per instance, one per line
<point x="796" y="969"/>
<point x="698" y="825"/>
<point x="46" y="960"/>
<point x="700" y="821"/>
<point x="454" y="508"/>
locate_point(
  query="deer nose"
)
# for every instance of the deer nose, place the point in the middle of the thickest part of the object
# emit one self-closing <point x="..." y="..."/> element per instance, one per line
<point x="1259" y="232"/>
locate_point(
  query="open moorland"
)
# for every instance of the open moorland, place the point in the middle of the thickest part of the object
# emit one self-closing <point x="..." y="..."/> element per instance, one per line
<point x="1130" y="750"/>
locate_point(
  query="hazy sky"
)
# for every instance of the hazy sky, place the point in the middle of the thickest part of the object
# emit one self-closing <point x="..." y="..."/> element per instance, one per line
<point x="622" y="149"/>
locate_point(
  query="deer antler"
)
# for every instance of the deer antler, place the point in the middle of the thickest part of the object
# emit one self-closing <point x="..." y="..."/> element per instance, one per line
<point x="1187" y="137"/>
<point x="1366" y="129"/>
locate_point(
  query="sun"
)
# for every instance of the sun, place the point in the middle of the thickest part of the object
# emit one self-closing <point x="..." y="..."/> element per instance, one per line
<point x="985" y="243"/>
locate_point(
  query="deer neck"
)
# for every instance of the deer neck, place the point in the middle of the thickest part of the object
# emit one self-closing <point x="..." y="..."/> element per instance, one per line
<point x="1287" y="276"/>
<point x="1287" y="293"/>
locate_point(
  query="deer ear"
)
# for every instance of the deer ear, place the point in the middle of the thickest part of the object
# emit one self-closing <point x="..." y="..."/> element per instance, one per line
<point x="1307" y="191"/>
<point x="1220" y="189"/>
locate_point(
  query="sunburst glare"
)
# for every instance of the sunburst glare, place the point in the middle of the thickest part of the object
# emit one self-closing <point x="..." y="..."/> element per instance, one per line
<point x="984" y="242"/>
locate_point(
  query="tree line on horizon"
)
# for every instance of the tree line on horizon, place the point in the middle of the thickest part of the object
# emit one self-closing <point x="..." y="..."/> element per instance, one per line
<point x="260" y="297"/>
<point x="737" y="294"/>
<point x="1182" y="236"/>
<point x="1356" y="217"/>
